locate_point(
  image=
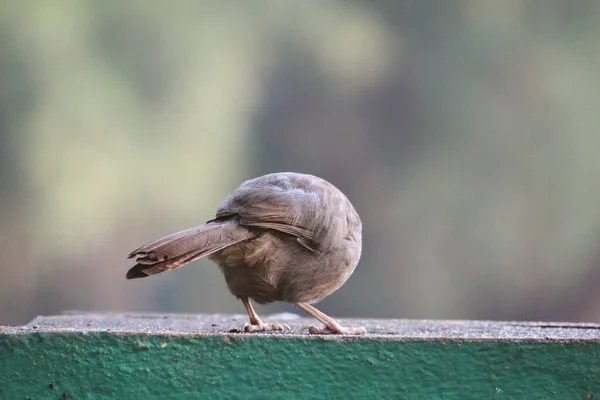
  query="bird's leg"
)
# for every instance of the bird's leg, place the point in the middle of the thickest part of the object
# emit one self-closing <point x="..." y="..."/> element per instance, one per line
<point x="256" y="325"/>
<point x="330" y="325"/>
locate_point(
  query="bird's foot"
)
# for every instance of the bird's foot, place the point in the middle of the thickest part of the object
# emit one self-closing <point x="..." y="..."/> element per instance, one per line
<point x="313" y="330"/>
<point x="261" y="327"/>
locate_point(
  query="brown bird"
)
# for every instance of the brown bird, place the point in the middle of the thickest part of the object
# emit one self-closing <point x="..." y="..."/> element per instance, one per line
<point x="285" y="237"/>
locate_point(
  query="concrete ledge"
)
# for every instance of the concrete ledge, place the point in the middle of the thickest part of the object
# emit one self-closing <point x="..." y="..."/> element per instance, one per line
<point x="195" y="356"/>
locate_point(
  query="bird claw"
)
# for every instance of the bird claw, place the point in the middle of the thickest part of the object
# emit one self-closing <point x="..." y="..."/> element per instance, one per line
<point x="313" y="330"/>
<point x="248" y="328"/>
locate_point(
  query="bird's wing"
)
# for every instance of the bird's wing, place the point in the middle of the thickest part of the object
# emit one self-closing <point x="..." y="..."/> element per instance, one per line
<point x="292" y="206"/>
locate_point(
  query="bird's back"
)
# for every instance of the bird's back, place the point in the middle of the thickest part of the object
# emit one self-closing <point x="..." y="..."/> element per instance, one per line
<point x="307" y="243"/>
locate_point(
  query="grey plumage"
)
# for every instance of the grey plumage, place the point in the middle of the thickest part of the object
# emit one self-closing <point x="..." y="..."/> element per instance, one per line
<point x="280" y="237"/>
<point x="177" y="249"/>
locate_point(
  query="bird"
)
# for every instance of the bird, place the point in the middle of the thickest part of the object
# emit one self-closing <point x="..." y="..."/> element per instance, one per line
<point x="282" y="237"/>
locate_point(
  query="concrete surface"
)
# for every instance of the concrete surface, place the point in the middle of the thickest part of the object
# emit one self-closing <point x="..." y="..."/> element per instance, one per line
<point x="153" y="356"/>
<point x="388" y="329"/>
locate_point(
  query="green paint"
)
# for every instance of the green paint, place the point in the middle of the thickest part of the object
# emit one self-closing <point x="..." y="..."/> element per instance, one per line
<point x="119" y="366"/>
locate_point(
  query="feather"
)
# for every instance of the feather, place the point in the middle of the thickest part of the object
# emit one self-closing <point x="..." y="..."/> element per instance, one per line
<point x="178" y="249"/>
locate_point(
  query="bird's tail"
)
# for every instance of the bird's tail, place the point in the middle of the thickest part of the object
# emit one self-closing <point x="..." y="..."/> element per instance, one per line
<point x="177" y="249"/>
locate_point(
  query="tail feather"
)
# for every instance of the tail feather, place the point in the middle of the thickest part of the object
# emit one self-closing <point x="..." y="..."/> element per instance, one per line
<point x="159" y="244"/>
<point x="180" y="248"/>
<point x="144" y="270"/>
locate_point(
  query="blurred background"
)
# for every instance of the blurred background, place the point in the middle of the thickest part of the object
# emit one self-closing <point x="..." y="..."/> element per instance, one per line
<point x="464" y="132"/>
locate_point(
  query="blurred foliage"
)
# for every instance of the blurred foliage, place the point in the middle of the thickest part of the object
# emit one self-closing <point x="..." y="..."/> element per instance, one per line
<point x="464" y="132"/>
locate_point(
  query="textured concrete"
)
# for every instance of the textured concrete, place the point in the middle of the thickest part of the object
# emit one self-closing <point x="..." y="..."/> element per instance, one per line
<point x="122" y="356"/>
<point x="385" y="329"/>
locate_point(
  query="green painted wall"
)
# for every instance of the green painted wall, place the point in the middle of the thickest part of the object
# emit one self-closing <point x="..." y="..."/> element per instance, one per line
<point x="118" y="366"/>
